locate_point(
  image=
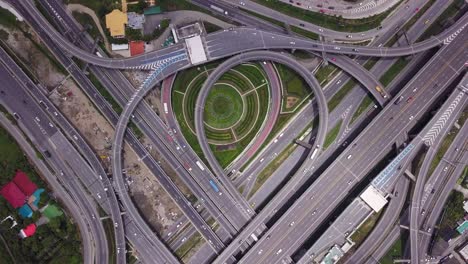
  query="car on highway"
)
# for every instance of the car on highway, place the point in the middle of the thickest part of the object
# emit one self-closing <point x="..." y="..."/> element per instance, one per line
<point x="321" y="30"/>
<point x="409" y="99"/>
<point x="349" y="156"/>
<point x="37" y="119"/>
<point x="411" y="117"/>
<point x="337" y="48"/>
<point x="333" y="59"/>
<point x="17" y="117"/>
<point x="279" y="251"/>
<point x="445" y="169"/>
<point x="399" y="100"/>
<point x="426" y="22"/>
<point x="349" y="36"/>
<point x="302" y="25"/>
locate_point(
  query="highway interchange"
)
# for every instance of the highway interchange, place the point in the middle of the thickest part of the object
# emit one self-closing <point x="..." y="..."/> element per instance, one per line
<point x="281" y="241"/>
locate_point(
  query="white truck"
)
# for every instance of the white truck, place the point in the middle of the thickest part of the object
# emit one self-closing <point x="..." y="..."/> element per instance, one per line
<point x="200" y="165"/>
<point x="219" y="9"/>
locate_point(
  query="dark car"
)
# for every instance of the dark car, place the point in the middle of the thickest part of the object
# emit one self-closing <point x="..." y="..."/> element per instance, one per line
<point x="47" y="153"/>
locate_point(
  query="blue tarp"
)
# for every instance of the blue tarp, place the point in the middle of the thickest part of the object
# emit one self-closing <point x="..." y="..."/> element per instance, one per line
<point x="25" y="211"/>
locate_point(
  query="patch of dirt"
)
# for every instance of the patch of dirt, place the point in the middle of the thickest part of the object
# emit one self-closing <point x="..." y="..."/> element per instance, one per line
<point x="28" y="52"/>
<point x="291" y="101"/>
<point x="153" y="98"/>
<point x="149" y="197"/>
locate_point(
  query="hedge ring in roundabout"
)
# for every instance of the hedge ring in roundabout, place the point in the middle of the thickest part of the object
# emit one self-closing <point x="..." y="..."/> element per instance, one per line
<point x="223" y="109"/>
<point x="248" y="57"/>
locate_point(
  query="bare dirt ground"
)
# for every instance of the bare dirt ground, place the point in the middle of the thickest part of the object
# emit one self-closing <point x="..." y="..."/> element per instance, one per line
<point x="153" y="98"/>
<point x="28" y="52"/>
<point x="291" y="101"/>
<point x="149" y="197"/>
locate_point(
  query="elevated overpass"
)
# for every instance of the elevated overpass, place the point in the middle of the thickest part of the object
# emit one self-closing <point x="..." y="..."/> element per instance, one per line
<point x="239" y="59"/>
<point x="229" y="42"/>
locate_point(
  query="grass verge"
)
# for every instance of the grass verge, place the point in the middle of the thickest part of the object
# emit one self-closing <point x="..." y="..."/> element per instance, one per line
<point x="364" y="230"/>
<point x="332" y="134"/>
<point x="447" y="141"/>
<point x="271" y="168"/>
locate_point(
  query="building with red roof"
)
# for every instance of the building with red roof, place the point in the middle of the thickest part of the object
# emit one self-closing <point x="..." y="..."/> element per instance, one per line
<point x="137" y="47"/>
<point x="24" y="183"/>
<point x="28" y="231"/>
<point x="13" y="194"/>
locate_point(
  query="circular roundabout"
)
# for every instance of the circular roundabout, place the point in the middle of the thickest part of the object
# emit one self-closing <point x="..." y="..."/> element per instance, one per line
<point x="235" y="109"/>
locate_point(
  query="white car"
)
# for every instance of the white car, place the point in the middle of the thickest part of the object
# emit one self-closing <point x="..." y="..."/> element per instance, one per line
<point x="321" y="30"/>
<point x="411" y="117"/>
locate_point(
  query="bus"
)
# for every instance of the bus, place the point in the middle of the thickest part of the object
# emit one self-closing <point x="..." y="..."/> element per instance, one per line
<point x="165" y="108"/>
<point x="315" y="152"/>
<point x="200" y="165"/>
<point x="214" y="186"/>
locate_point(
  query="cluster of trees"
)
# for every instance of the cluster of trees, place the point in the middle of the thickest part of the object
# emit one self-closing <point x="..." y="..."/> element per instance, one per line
<point x="55" y="242"/>
<point x="454" y="211"/>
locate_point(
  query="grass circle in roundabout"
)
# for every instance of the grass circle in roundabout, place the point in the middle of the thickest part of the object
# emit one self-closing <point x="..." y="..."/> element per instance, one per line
<point x="224" y="106"/>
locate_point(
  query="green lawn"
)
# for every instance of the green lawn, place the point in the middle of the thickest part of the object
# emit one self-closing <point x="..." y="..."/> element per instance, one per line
<point x="7" y="19"/>
<point x="332" y="134"/>
<point x="396" y="251"/>
<point x="364" y="230"/>
<point x="271" y="168"/>
<point x="305" y="33"/>
<point x="332" y="22"/>
<point x="191" y="243"/>
<point x="223" y="107"/>
<point x="325" y="73"/>
<point x="393" y="71"/>
<point x="253" y="72"/>
<point x="365" y="103"/>
<point x="294" y="87"/>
